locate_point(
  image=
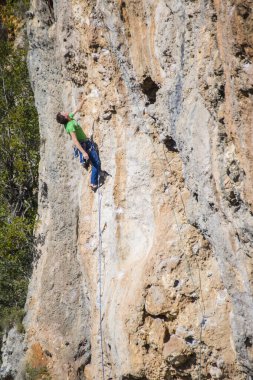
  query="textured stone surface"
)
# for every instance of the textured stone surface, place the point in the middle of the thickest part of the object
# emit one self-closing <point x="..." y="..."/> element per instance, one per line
<point x="12" y="352"/>
<point x="168" y="89"/>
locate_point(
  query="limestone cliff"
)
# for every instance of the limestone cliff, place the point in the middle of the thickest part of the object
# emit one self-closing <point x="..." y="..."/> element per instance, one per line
<point x="168" y="88"/>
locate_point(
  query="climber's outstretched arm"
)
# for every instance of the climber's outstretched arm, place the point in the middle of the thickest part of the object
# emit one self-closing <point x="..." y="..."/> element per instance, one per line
<point x="79" y="106"/>
<point x="78" y="145"/>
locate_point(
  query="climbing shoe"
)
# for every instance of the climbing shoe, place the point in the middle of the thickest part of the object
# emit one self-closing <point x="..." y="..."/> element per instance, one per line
<point x="93" y="187"/>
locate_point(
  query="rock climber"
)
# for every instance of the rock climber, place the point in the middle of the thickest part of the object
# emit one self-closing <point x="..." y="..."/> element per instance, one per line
<point x="83" y="147"/>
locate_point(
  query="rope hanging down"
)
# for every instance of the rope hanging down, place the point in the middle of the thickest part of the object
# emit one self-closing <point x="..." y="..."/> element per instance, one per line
<point x="100" y="253"/>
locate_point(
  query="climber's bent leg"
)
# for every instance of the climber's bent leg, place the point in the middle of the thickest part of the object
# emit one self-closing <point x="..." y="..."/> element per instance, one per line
<point x="95" y="161"/>
<point x="96" y="167"/>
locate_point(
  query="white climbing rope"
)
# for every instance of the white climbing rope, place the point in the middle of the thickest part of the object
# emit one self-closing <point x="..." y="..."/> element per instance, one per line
<point x="100" y="253"/>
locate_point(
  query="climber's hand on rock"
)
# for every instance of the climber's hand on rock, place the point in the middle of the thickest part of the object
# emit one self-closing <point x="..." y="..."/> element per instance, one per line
<point x="78" y="109"/>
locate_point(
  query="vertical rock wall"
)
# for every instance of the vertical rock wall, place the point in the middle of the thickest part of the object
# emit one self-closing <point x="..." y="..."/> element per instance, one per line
<point x="168" y="98"/>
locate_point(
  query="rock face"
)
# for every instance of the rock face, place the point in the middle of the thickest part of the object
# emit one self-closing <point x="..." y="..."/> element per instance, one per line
<point x="168" y="98"/>
<point x="11" y="354"/>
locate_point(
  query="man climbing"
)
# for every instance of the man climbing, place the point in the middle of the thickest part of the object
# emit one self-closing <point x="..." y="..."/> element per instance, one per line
<point x="83" y="147"/>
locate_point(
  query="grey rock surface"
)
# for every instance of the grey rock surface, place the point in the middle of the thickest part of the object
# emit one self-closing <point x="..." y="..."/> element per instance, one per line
<point x="12" y="353"/>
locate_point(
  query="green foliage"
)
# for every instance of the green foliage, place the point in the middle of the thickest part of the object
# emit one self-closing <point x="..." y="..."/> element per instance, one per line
<point x="19" y="156"/>
<point x="40" y="373"/>
<point x="13" y="8"/>
<point x="11" y="316"/>
<point x="19" y="142"/>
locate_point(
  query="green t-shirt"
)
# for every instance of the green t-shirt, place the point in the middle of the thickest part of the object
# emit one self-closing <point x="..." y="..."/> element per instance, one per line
<point x="73" y="126"/>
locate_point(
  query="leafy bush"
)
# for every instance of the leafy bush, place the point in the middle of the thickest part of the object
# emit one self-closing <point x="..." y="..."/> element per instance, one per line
<point x="40" y="373"/>
<point x="19" y="156"/>
<point x="11" y="316"/>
